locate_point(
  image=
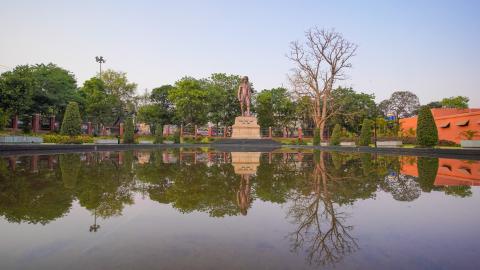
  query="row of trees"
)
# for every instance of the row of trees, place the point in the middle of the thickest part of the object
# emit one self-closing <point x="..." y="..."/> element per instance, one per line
<point x="320" y="63"/>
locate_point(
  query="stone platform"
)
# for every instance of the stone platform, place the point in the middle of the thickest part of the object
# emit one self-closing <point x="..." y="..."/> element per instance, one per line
<point x="246" y="127"/>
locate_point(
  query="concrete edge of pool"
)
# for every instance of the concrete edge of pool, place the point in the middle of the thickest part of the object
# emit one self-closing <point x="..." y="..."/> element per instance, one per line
<point x="28" y="149"/>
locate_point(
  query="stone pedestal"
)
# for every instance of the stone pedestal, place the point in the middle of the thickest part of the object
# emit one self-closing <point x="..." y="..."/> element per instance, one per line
<point x="246" y="127"/>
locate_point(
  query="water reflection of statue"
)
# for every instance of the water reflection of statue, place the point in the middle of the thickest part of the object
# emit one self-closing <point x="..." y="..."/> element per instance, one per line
<point x="243" y="94"/>
<point x="243" y="194"/>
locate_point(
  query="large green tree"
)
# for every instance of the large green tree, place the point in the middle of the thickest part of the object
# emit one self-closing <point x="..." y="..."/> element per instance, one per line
<point x="100" y="106"/>
<point x="159" y="110"/>
<point x="40" y="88"/>
<point x="117" y="85"/>
<point x="351" y="108"/>
<point x="275" y="108"/>
<point x="190" y="98"/>
<point x="222" y="98"/>
<point x="458" y="102"/>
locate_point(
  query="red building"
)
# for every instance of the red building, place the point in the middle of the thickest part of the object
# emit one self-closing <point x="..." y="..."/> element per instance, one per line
<point x="450" y="123"/>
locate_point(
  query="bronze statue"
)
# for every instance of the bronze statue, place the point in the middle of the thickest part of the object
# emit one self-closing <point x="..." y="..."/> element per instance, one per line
<point x="243" y="94"/>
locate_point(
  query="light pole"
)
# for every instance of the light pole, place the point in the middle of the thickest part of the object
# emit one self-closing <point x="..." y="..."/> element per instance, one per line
<point x="100" y="60"/>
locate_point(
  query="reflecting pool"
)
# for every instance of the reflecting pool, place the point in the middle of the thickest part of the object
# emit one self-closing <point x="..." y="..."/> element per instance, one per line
<point x="207" y="209"/>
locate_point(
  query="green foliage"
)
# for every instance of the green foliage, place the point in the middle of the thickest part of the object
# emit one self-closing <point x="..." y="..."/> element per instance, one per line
<point x="3" y="119"/>
<point x="65" y="139"/>
<point x="366" y="133"/>
<point x="118" y="86"/>
<point x="275" y="108"/>
<point x="37" y="88"/>
<point x="158" y="135"/>
<point x="190" y="98"/>
<point x="101" y="107"/>
<point x="458" y="102"/>
<point x="72" y="122"/>
<point x="316" y="136"/>
<point x="351" y="109"/>
<point x="176" y="137"/>
<point x="303" y="112"/>
<point x="223" y="105"/>
<point x="447" y="143"/>
<point x="128" y="135"/>
<point x="336" y="135"/>
<point x="427" y="133"/>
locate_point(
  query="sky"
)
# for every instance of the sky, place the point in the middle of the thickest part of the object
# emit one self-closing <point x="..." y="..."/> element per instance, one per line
<point x="430" y="48"/>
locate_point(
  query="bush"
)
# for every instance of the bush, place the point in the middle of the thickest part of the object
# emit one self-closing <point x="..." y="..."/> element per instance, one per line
<point x="427" y="133"/>
<point x="447" y="143"/>
<point x="336" y="135"/>
<point x="72" y="122"/>
<point x="128" y="135"/>
<point x="65" y="139"/>
<point x="158" y="134"/>
<point x="176" y="137"/>
<point x="316" y="136"/>
<point x="366" y="133"/>
<point x="409" y="140"/>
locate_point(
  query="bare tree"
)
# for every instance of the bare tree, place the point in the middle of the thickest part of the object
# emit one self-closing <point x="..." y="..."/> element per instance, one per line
<point x="319" y="63"/>
<point x="321" y="232"/>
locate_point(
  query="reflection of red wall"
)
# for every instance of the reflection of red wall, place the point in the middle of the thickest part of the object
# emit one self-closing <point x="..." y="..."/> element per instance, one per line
<point x="454" y="172"/>
<point x="451" y="172"/>
<point x="452" y="116"/>
<point x="408" y="166"/>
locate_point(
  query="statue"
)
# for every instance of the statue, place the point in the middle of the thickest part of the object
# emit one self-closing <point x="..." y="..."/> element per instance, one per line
<point x="243" y="94"/>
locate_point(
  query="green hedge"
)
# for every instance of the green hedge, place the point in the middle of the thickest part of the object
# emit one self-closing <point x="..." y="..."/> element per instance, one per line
<point x="65" y="139"/>
<point x="158" y="134"/>
<point x="366" y="133"/>
<point x="336" y="135"/>
<point x="316" y="136"/>
<point x="427" y="133"/>
<point x="72" y="122"/>
<point x="128" y="135"/>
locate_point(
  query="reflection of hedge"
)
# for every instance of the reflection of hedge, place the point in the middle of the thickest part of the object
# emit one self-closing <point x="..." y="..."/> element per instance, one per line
<point x="427" y="134"/>
<point x="427" y="172"/>
<point x="69" y="166"/>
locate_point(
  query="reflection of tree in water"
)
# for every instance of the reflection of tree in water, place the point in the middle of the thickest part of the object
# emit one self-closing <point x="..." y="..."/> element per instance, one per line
<point x="403" y="187"/>
<point x="38" y="197"/>
<point x="321" y="230"/>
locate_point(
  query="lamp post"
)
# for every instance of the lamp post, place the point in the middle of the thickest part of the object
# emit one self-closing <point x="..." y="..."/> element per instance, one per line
<point x="100" y="60"/>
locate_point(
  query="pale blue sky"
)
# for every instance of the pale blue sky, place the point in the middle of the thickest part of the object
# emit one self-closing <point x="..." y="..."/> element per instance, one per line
<point x="427" y="47"/>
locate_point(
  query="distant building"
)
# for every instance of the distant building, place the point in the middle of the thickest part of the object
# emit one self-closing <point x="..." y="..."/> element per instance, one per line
<point x="450" y="123"/>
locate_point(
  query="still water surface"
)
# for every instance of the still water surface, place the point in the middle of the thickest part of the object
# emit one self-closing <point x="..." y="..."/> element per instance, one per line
<point x="206" y="209"/>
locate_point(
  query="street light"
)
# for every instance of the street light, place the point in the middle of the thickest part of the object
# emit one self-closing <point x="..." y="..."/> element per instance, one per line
<point x="100" y="60"/>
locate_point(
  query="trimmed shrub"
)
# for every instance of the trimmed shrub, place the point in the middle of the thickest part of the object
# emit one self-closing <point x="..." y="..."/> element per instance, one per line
<point x="366" y="133"/>
<point x="176" y="137"/>
<point x="158" y="134"/>
<point x="336" y="135"/>
<point x="427" y="134"/>
<point x="128" y="135"/>
<point x="447" y="143"/>
<point x="65" y="139"/>
<point x="72" y="122"/>
<point x="316" y="136"/>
